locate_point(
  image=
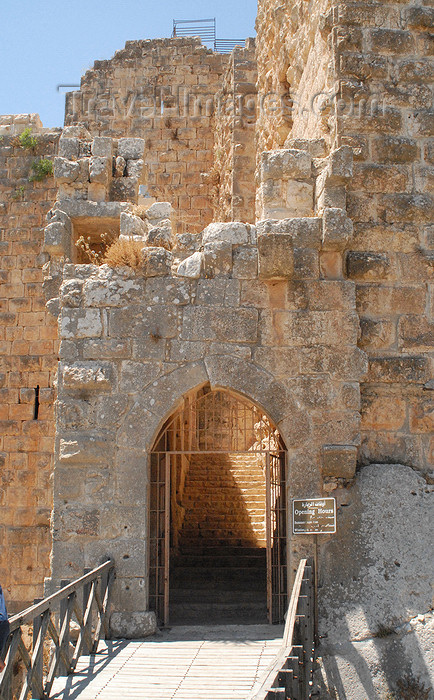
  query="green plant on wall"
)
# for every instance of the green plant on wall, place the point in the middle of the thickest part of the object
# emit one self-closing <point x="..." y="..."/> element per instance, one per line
<point x="19" y="193"/>
<point x="41" y="169"/>
<point x="27" y="141"/>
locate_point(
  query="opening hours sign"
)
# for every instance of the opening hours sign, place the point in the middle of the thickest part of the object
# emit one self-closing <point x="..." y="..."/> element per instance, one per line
<point x="314" y="516"/>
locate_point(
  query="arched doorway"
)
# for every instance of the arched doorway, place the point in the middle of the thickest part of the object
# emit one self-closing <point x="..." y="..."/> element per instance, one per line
<point x="218" y="545"/>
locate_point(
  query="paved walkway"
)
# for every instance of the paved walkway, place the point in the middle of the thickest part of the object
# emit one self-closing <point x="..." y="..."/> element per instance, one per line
<point x="193" y="663"/>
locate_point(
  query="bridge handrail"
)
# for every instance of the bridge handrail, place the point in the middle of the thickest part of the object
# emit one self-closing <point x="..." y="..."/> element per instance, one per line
<point x="288" y="677"/>
<point x="96" y="587"/>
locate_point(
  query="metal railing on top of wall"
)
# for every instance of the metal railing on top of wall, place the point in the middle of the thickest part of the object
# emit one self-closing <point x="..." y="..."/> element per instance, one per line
<point x="205" y="29"/>
<point x="51" y="619"/>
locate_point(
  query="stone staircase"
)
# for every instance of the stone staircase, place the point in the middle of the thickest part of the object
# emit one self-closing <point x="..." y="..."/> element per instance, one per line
<point x="219" y="573"/>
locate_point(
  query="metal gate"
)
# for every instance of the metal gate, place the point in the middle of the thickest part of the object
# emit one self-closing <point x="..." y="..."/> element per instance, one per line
<point x="217" y="422"/>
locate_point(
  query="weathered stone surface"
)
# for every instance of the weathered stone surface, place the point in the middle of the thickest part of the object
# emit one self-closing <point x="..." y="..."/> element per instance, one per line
<point x="157" y="262"/>
<point x="339" y="461"/>
<point x="286" y="163"/>
<point x="69" y="148"/>
<point x="159" y="211"/>
<point x="131" y="148"/>
<point x="220" y="323"/>
<point x="275" y="256"/>
<point x="84" y="448"/>
<point x="66" y="170"/>
<point x="80" y="323"/>
<point x="90" y="376"/>
<point x="161" y="235"/>
<point x="102" y="146"/>
<point x="372" y="580"/>
<point x="233" y="232"/>
<point x="191" y="267"/>
<point x="134" y="625"/>
<point x="245" y="262"/>
<point x="217" y="258"/>
<point x="407" y="368"/>
<point x="305" y="232"/>
<point x="100" y="169"/>
<point x="367" y="265"/>
<point x="131" y="225"/>
<point x="337" y="229"/>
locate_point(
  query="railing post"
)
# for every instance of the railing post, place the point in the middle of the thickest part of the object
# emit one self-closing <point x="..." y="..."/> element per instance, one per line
<point x="38" y="668"/>
<point x="62" y="670"/>
<point x="88" y="627"/>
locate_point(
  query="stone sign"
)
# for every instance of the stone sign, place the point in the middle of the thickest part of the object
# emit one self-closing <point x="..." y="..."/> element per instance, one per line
<point x="314" y="516"/>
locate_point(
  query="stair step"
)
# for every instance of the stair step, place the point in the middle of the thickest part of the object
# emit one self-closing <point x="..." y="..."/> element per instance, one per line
<point x="217" y="595"/>
<point x="218" y="613"/>
<point x="225" y="578"/>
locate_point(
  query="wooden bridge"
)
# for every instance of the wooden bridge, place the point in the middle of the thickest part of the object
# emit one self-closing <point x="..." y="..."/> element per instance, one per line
<point x="222" y="662"/>
<point x="192" y="663"/>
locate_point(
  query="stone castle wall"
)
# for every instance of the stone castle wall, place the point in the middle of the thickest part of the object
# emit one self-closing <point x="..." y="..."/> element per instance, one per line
<point x="28" y="342"/>
<point x="338" y="263"/>
<point x="163" y="91"/>
<point x="374" y="73"/>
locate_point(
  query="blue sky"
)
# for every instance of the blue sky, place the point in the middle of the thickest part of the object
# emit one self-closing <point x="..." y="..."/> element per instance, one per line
<point x="44" y="43"/>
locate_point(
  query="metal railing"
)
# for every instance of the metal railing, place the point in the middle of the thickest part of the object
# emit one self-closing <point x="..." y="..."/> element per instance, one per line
<point x="206" y="30"/>
<point x="51" y="619"/>
<point x="289" y="677"/>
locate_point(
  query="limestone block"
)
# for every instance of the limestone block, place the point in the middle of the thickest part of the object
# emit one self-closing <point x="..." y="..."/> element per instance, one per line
<point x="71" y="292"/>
<point x="156" y="262"/>
<point x="220" y="323"/>
<point x="84" y="448"/>
<point x="286" y="163"/>
<point x="414" y="369"/>
<point x="79" y="132"/>
<point x="232" y="232"/>
<point x="57" y="239"/>
<point x="220" y="290"/>
<point x="102" y="146"/>
<point x="365" y="265"/>
<point x="135" y="376"/>
<point x="69" y="148"/>
<point x="419" y="17"/>
<point x="132" y="625"/>
<point x="159" y="211"/>
<point x="112" y="288"/>
<point x="339" y="461"/>
<point x="124" y="189"/>
<point x="161" y="235"/>
<point x="99" y="169"/>
<point x="275" y="256"/>
<point x="80" y="323"/>
<point x="245" y="262"/>
<point x="131" y="148"/>
<point x="299" y="198"/>
<point x="135" y="168"/>
<point x="143" y="321"/>
<point x="192" y="266"/>
<point x="65" y="171"/>
<point x="91" y="376"/>
<point x="337" y="229"/>
<point x="131" y="225"/>
<point x="416" y="333"/>
<point x="341" y="165"/>
<point x="217" y="258"/>
<point x="306" y="232"/>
